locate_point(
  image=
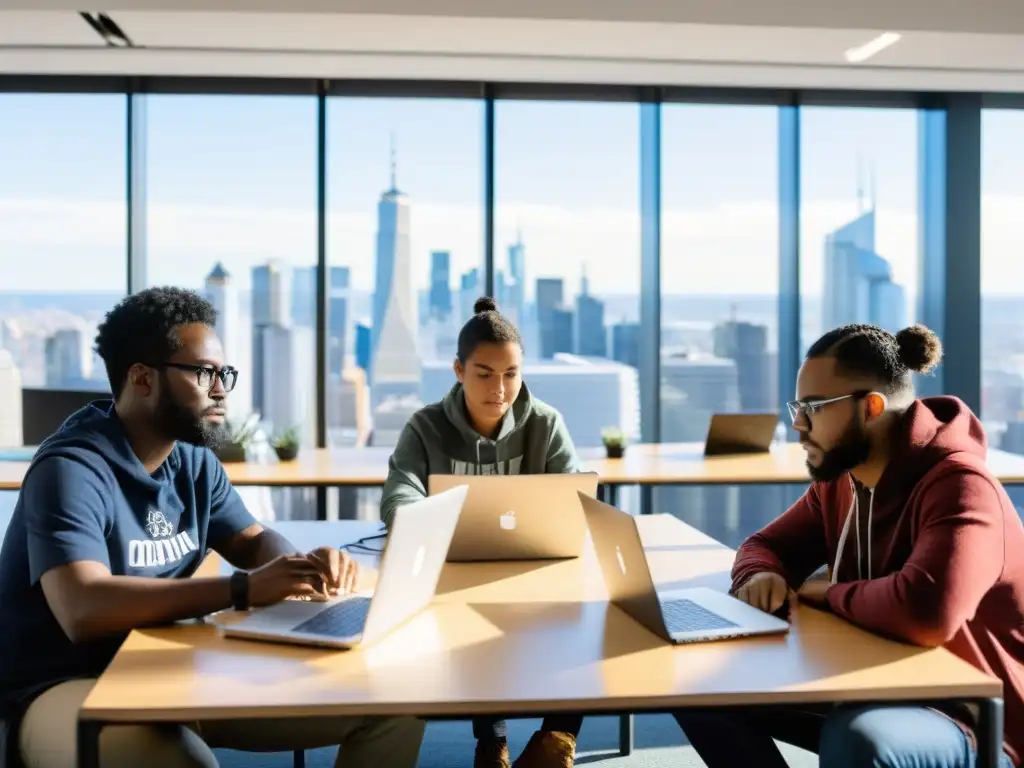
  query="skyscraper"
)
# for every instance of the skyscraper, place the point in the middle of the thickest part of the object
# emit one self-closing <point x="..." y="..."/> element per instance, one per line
<point x="555" y="321"/>
<point x="68" y="359"/>
<point x="270" y="306"/>
<point x="746" y="344"/>
<point x="516" y="292"/>
<point x="221" y="293"/>
<point x="591" y="337"/>
<point x="469" y="292"/>
<point x="440" y="285"/>
<point x="337" y="320"/>
<point x="858" y="281"/>
<point x="395" y="367"/>
<point x="626" y="343"/>
<point x="10" y="402"/>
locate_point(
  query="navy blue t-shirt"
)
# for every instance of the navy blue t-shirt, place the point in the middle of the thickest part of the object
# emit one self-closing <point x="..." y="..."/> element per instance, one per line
<point x="86" y="496"/>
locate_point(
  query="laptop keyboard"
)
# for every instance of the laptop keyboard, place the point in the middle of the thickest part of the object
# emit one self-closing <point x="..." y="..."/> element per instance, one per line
<point x="687" y="616"/>
<point x="344" y="619"/>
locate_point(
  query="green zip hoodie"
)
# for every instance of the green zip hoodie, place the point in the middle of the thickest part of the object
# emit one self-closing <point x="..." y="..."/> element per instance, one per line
<point x="439" y="440"/>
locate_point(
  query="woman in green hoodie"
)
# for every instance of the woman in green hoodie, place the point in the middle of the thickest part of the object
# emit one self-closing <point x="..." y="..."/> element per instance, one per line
<point x="488" y="423"/>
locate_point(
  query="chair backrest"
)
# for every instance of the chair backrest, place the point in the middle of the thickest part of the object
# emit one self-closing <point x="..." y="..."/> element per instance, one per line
<point x="44" y="410"/>
<point x="10" y="755"/>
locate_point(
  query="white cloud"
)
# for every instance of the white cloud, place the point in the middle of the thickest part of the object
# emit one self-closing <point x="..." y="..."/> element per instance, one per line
<point x="729" y="248"/>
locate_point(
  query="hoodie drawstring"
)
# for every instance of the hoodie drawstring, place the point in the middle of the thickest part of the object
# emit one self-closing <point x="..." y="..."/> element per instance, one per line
<point x="852" y="512"/>
<point x="497" y="456"/>
<point x="871" y="512"/>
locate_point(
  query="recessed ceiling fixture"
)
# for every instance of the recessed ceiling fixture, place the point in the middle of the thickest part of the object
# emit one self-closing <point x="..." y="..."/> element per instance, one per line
<point x="870" y="48"/>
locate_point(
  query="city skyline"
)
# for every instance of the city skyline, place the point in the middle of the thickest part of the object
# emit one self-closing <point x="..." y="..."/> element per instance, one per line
<point x="573" y="191"/>
<point x="239" y="195"/>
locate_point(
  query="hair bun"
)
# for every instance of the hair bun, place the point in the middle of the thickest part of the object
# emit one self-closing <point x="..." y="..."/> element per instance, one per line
<point x="920" y="348"/>
<point x="485" y="304"/>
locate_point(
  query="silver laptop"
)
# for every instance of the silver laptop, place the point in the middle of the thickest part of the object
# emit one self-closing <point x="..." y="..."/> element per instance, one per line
<point x="519" y="517"/>
<point x="410" y="568"/>
<point x="691" y="615"/>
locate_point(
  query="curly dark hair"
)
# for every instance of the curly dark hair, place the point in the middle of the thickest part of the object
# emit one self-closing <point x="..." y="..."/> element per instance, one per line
<point x="486" y="326"/>
<point x="868" y="350"/>
<point x="144" y="327"/>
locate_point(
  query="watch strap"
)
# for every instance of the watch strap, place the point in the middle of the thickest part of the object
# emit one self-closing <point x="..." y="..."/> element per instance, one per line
<point x="240" y="590"/>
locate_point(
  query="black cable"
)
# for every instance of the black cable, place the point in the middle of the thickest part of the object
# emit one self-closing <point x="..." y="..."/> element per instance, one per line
<point x="360" y="544"/>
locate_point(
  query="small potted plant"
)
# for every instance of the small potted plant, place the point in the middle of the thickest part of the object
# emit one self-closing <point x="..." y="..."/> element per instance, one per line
<point x="286" y="445"/>
<point x="235" y="445"/>
<point x="614" y="440"/>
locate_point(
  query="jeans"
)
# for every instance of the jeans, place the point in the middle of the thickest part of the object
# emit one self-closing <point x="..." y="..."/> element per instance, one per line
<point x="496" y="727"/>
<point x="854" y="736"/>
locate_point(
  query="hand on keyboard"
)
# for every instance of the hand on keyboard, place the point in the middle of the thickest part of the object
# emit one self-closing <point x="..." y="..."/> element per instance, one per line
<point x="339" y="571"/>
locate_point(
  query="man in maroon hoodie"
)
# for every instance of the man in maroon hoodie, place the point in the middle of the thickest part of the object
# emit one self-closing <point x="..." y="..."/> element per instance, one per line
<point x="919" y="543"/>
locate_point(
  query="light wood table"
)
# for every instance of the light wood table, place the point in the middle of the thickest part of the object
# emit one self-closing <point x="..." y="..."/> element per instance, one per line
<point x="644" y="464"/>
<point x="521" y="639"/>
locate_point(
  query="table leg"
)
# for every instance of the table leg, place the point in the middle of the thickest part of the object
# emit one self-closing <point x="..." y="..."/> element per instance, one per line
<point x="89" y="743"/>
<point x="990" y="733"/>
<point x="321" y="503"/>
<point x="612" y="495"/>
<point x="625" y="734"/>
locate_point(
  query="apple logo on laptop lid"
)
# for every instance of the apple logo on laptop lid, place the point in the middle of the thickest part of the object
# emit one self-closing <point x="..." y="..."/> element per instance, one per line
<point x="508" y="521"/>
<point x="417" y="563"/>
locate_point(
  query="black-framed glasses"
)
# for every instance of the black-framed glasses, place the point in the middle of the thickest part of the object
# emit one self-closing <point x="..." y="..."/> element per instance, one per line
<point x="205" y="374"/>
<point x="805" y="408"/>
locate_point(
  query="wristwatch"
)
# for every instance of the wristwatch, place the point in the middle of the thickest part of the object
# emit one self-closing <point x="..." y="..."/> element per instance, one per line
<point x="240" y="590"/>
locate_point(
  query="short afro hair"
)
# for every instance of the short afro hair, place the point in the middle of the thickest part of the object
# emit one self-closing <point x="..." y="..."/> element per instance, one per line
<point x="143" y="328"/>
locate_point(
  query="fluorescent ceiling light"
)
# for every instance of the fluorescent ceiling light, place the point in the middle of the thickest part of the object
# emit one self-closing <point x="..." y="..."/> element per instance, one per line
<point x="870" y="48"/>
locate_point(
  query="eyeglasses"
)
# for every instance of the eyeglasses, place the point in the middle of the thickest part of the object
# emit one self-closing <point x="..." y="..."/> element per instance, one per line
<point x="205" y="374"/>
<point x="805" y="408"/>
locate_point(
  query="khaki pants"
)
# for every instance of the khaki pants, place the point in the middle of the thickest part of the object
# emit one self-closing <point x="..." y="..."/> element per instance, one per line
<point x="48" y="737"/>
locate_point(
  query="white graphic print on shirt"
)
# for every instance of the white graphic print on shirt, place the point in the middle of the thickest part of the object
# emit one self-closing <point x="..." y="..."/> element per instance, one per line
<point x="164" y="548"/>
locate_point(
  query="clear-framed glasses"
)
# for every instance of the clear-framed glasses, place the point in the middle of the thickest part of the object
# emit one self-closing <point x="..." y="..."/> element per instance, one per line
<point x="806" y="408"/>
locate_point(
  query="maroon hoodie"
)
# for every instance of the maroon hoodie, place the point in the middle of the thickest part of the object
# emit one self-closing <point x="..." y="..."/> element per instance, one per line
<point x="934" y="556"/>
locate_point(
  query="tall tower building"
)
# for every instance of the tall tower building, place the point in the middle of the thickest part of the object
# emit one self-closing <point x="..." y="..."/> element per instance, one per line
<point x="440" y="285"/>
<point x="10" y="402"/>
<point x="858" y="281"/>
<point x="221" y="293"/>
<point x="516" y="292"/>
<point x="395" y="368"/>
<point x="270" y="306"/>
<point x="68" y="359"/>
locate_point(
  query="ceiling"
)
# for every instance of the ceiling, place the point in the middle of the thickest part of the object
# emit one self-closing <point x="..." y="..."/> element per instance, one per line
<point x="787" y="43"/>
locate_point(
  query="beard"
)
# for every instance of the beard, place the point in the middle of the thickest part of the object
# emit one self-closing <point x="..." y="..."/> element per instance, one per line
<point x="850" y="452"/>
<point x="176" y="422"/>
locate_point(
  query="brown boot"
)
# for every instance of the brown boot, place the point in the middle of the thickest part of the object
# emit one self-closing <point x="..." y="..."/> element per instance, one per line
<point x="491" y="753"/>
<point x="548" y="749"/>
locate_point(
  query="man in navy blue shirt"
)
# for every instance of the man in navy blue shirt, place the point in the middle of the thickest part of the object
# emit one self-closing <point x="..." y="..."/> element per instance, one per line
<point x="117" y="510"/>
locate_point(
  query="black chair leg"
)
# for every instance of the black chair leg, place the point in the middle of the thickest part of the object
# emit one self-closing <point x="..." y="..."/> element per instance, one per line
<point x="625" y="735"/>
<point x="299" y="758"/>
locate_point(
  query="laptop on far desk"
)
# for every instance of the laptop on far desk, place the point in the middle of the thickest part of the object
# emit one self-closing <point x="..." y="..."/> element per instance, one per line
<point x="688" y="615"/>
<point x="732" y="433"/>
<point x="519" y="517"/>
<point x="410" y="568"/>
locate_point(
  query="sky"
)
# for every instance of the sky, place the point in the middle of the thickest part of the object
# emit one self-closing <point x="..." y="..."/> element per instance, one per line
<point x="233" y="178"/>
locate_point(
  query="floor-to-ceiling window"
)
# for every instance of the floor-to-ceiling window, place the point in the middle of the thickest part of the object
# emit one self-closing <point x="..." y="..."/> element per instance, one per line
<point x="1002" y="278"/>
<point x="567" y="255"/>
<point x="719" y="291"/>
<point x="62" y="244"/>
<point x="858" y="218"/>
<point x="405" y="259"/>
<point x="231" y="213"/>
